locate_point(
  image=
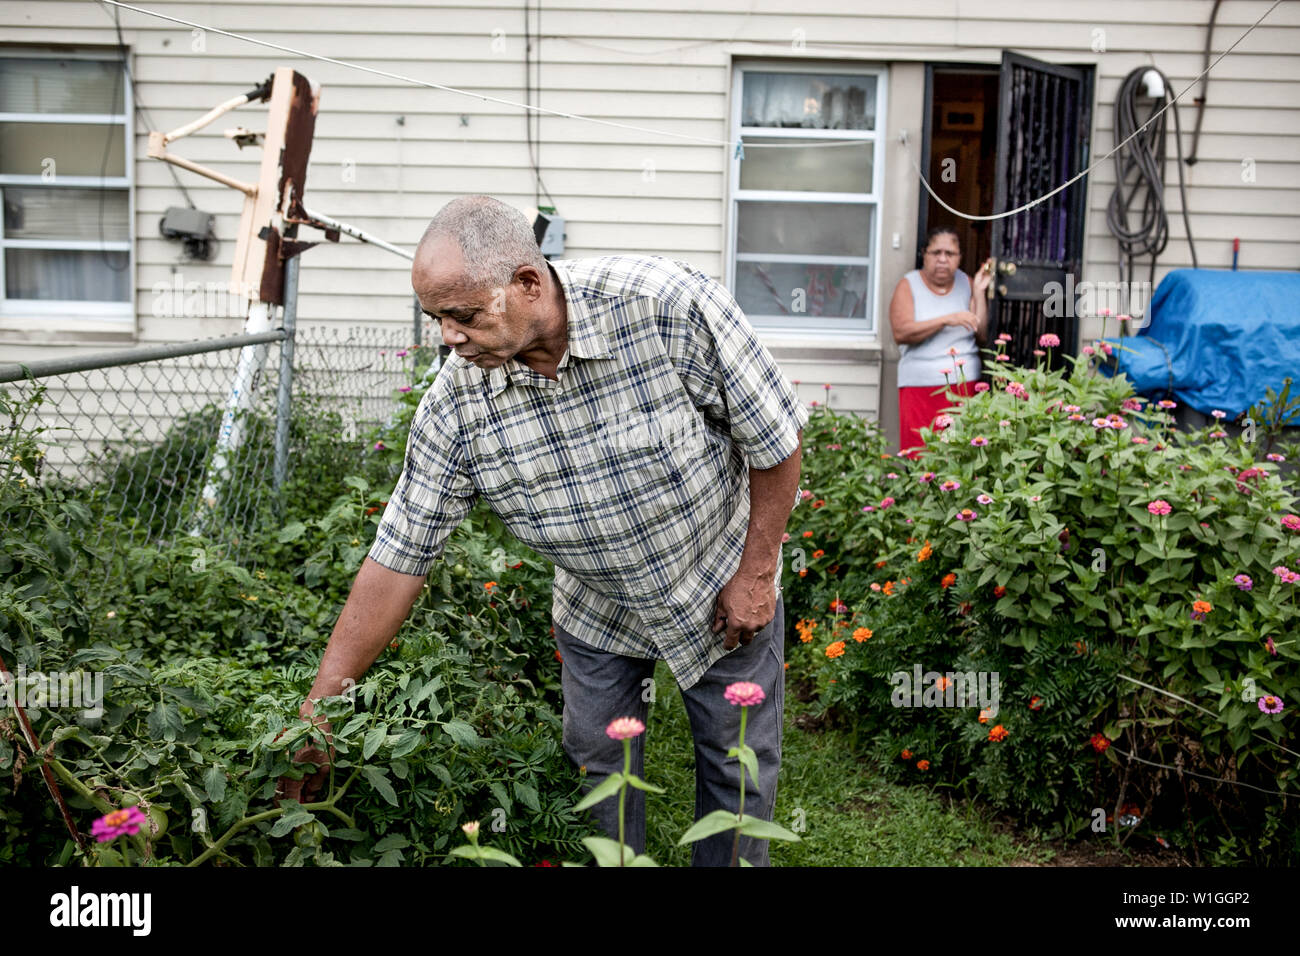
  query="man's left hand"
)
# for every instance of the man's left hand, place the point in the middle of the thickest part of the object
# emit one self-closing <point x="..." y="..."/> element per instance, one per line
<point x="746" y="605"/>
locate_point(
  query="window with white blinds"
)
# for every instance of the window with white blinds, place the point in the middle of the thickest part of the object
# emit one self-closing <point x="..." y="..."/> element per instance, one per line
<point x="805" y="187"/>
<point x="65" y="155"/>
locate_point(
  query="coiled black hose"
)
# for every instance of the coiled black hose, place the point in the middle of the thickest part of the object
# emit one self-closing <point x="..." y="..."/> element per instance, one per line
<point x="1143" y="161"/>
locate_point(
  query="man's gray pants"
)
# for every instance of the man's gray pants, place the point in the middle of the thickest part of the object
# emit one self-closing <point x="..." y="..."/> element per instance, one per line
<point x="600" y="686"/>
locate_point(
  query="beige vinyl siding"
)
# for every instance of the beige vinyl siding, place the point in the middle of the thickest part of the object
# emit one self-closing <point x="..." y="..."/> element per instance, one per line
<point x="666" y="66"/>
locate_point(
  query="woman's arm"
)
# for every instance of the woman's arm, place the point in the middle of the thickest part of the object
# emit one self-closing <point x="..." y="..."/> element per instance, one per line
<point x="907" y="331"/>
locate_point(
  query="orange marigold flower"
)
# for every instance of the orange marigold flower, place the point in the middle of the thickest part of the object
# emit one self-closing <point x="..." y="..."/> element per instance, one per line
<point x="984" y="716"/>
<point x="833" y="568"/>
<point x="964" y="608"/>
<point x="558" y="657"/>
<point x="1080" y="647"/>
<point x="998" y="733"/>
<point x="489" y="585"/>
<point x="999" y="590"/>
<point x="880" y="564"/>
<point x="818" y="503"/>
<point x="861" y="634"/>
<point x="948" y="581"/>
<point x="923" y="765"/>
<point x="907" y="755"/>
<point x="925" y="552"/>
<point x="803" y="573"/>
<point x="1035" y="703"/>
<point x="944" y="682"/>
<point x="888" y="587"/>
<point x="818" y="553"/>
<point x="839" y="607"/>
<point x="787" y="665"/>
<point x="835" y="650"/>
<point x="807" y="534"/>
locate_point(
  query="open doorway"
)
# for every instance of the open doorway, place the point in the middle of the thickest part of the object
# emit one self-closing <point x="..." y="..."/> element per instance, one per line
<point x="1003" y="137"/>
<point x="962" y="133"/>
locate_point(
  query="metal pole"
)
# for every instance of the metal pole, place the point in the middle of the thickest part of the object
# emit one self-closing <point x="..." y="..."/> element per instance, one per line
<point x="418" y="317"/>
<point x="283" y="404"/>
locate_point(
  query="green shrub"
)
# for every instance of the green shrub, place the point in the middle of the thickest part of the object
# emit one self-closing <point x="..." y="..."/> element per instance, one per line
<point x="1096" y="636"/>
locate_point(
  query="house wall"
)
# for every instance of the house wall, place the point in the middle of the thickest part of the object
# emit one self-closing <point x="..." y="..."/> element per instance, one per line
<point x="388" y="154"/>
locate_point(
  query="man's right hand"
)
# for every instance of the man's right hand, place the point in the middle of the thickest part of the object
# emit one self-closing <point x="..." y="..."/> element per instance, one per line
<point x="310" y="786"/>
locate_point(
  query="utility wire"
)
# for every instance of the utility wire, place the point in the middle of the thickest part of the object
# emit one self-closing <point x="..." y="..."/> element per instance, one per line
<point x="700" y="139"/>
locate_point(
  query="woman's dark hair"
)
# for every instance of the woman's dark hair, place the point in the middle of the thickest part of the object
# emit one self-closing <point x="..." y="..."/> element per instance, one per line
<point x="940" y="231"/>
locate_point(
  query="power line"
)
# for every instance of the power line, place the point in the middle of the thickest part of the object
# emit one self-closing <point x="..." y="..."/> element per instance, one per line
<point x="1118" y="147"/>
<point x="699" y="139"/>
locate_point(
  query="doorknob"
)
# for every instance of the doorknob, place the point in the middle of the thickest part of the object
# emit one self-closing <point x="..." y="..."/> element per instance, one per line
<point x="1007" y="268"/>
<point x="1002" y="291"/>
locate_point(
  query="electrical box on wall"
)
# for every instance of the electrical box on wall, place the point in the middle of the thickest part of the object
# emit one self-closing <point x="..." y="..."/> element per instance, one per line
<point x="548" y="228"/>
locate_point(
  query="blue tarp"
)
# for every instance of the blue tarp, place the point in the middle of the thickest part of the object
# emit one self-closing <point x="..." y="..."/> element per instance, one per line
<point x="1217" y="339"/>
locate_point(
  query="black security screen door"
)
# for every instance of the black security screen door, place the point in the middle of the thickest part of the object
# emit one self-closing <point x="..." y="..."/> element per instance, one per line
<point x="1044" y="116"/>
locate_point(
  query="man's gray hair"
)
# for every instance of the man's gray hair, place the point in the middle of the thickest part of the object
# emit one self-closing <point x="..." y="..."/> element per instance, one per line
<point x="494" y="238"/>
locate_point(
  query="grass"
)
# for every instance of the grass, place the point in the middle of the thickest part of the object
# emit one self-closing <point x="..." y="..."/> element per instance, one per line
<point x="850" y="814"/>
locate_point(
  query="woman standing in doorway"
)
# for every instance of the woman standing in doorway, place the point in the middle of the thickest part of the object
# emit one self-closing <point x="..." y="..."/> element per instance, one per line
<point x="940" y="318"/>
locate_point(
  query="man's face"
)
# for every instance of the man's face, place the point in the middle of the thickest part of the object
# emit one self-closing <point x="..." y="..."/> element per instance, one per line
<point x="487" y="327"/>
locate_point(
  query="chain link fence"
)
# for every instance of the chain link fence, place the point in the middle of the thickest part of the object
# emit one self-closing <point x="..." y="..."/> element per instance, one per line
<point x="135" y="433"/>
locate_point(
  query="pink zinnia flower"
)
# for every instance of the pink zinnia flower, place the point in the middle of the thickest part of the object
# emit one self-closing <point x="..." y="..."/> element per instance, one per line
<point x="967" y="515"/>
<point x="1286" y="574"/>
<point x="405" y="388"/>
<point x="1270" y="646"/>
<point x="981" y="386"/>
<point x="1100" y="423"/>
<point x="947" y="372"/>
<point x="745" y="694"/>
<point x="1035" y="497"/>
<point x="1089" y="350"/>
<point x="401" y="353"/>
<point x="1075" y="417"/>
<point x="785" y="537"/>
<point x="886" y="502"/>
<point x="1132" y="404"/>
<point x="1218" y="434"/>
<point x="1039" y="352"/>
<point x="1048" y="341"/>
<point x="1274" y="456"/>
<point x="1105" y="347"/>
<point x="892" y="475"/>
<point x="1270" y="704"/>
<point x="952" y="351"/>
<point x="805" y="495"/>
<point x="1002" y="357"/>
<point x="929" y="476"/>
<point x="984" y="499"/>
<point x="1123" y="318"/>
<point x="1291" y="522"/>
<point x="118" y="823"/>
<point x="1004" y="422"/>
<point x="380" y="446"/>
<point x="979" y="441"/>
<point x="1219" y="414"/>
<point x="868" y="507"/>
<point x="959" y="362"/>
<point x="623" y="728"/>
<point x="942" y="421"/>
<point x="1139" y="440"/>
<point x="1017" y="390"/>
<point x="1004" y="337"/>
<point x="1159" y="507"/>
<point x="1244" y="582"/>
<point x="952" y="484"/>
<point x="1166" y="403"/>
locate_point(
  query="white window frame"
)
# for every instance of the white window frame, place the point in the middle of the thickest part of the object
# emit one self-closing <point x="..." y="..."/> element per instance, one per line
<point x="53" y="315"/>
<point x="810" y="327"/>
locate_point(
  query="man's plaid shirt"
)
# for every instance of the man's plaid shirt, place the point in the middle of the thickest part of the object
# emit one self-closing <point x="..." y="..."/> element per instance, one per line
<point x="630" y="473"/>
